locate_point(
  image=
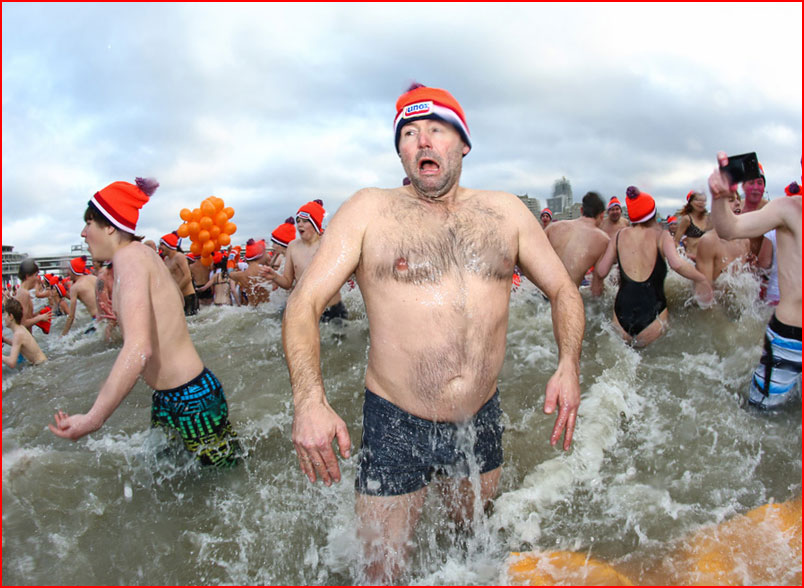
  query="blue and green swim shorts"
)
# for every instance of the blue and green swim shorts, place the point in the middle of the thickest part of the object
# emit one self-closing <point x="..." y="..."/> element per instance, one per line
<point x="199" y="413"/>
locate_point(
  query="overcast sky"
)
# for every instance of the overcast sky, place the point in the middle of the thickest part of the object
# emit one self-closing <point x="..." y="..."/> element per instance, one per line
<point x="270" y="106"/>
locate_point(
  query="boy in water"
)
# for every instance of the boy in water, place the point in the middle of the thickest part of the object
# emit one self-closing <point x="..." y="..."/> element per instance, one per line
<point x="188" y="398"/>
<point x="23" y="344"/>
<point x="83" y="290"/>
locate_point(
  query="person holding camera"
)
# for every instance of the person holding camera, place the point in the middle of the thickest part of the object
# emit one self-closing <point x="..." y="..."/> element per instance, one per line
<point x="777" y="378"/>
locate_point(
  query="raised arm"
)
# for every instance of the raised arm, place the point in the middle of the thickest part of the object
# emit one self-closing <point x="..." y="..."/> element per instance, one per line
<point x="135" y="312"/>
<point x="747" y="225"/>
<point x="541" y="265"/>
<point x="315" y="423"/>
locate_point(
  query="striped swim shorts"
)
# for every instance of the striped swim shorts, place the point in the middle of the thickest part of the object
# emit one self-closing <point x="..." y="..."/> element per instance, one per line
<point x="777" y="378"/>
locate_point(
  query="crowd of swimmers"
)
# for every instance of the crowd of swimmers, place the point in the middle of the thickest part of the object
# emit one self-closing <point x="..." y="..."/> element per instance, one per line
<point x="434" y="262"/>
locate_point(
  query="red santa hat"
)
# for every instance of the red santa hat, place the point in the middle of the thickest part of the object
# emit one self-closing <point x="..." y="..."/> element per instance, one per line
<point x="284" y="233"/>
<point x="641" y="206"/>
<point x="314" y="212"/>
<point x="255" y="249"/>
<point x="120" y="202"/>
<point x="78" y="265"/>
<point x="171" y="241"/>
<point x="421" y="102"/>
<point x="792" y="189"/>
<point x="614" y="201"/>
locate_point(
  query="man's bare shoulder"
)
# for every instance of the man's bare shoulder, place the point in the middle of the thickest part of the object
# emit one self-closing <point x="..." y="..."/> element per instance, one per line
<point x="135" y="259"/>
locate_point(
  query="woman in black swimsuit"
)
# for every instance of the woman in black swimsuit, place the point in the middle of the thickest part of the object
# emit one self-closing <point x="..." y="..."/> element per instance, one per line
<point x="693" y="222"/>
<point x="640" y="308"/>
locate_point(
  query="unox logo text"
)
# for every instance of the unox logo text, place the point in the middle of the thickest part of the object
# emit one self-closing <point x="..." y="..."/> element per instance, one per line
<point x="418" y="109"/>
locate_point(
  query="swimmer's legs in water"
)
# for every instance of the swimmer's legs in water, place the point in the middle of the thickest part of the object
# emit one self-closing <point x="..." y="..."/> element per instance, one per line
<point x="386" y="523"/>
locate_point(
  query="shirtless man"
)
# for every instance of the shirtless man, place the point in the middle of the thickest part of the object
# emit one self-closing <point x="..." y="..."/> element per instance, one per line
<point x="434" y="262"/>
<point x="252" y="281"/>
<point x="715" y="254"/>
<point x="300" y="254"/>
<point x="188" y="398"/>
<point x="176" y="262"/>
<point x="579" y="243"/>
<point x="28" y="274"/>
<point x="23" y="344"/>
<point x="614" y="220"/>
<point x="84" y="289"/>
<point x="777" y="378"/>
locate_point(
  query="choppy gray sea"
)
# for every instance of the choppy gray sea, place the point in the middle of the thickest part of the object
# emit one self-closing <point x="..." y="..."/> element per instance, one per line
<point x="662" y="448"/>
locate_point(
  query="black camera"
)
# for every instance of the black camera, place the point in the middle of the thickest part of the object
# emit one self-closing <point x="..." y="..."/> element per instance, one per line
<point x="742" y="168"/>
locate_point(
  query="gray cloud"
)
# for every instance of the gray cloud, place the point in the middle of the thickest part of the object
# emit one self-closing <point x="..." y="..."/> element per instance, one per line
<point x="269" y="106"/>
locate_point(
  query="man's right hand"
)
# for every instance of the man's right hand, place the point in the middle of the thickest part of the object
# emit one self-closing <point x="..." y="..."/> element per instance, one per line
<point x="315" y="425"/>
<point x="719" y="185"/>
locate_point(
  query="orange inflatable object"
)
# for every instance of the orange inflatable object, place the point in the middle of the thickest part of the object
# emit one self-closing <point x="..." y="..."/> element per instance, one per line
<point x="761" y="547"/>
<point x="562" y="567"/>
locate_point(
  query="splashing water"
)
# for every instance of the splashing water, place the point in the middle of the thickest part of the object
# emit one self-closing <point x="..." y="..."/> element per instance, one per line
<point x="662" y="448"/>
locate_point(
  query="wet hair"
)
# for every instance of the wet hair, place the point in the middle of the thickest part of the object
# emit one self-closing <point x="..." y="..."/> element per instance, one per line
<point x="687" y="209"/>
<point x="592" y="205"/>
<point x="28" y="268"/>
<point x="13" y="307"/>
<point x="93" y="214"/>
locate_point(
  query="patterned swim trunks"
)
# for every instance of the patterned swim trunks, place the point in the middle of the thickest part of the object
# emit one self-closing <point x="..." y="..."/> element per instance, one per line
<point x="199" y="413"/>
<point x="777" y="378"/>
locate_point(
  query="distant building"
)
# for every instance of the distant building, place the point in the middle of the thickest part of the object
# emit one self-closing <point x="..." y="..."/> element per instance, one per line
<point x="50" y="264"/>
<point x="562" y="196"/>
<point x="569" y="213"/>
<point x="533" y="204"/>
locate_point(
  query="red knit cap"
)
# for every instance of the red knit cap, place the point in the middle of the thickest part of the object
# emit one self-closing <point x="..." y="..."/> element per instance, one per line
<point x="546" y="211"/>
<point x="671" y="219"/>
<point x="217" y="257"/>
<point x="641" y="206"/>
<point x="792" y="189"/>
<point x="255" y="249"/>
<point x="171" y="241"/>
<point x="120" y="202"/>
<point x="61" y="288"/>
<point x="313" y="212"/>
<point x="78" y="265"/>
<point x="614" y="201"/>
<point x="284" y="233"/>
<point x="421" y="102"/>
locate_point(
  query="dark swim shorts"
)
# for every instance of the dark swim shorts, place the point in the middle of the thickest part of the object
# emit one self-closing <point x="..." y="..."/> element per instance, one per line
<point x="199" y="413"/>
<point x="401" y="452"/>
<point x="335" y="311"/>
<point x="191" y="305"/>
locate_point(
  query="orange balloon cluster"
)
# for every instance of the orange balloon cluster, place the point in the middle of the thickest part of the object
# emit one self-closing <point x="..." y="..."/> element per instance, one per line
<point x="208" y="227"/>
